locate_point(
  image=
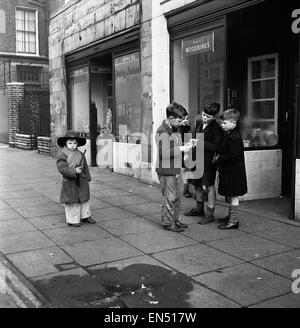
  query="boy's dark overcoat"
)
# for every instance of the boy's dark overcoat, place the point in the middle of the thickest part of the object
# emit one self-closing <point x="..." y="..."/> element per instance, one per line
<point x="231" y="163"/>
<point x="212" y="139"/>
<point x="70" y="192"/>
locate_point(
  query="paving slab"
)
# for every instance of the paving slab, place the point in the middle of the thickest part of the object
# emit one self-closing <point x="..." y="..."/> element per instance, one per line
<point x="128" y="226"/>
<point x="286" y="235"/>
<point x="158" y="240"/>
<point x="127" y="200"/>
<point x="196" y="259"/>
<point x="109" y="194"/>
<point x="14" y="226"/>
<point x="38" y="211"/>
<point x="98" y="203"/>
<point x="121" y="264"/>
<point x="23" y="241"/>
<point x="40" y="262"/>
<point x="6" y="302"/>
<point x="69" y="289"/>
<point x="144" y="209"/>
<point x="9" y="214"/>
<point x="248" y="247"/>
<point x="101" y="251"/>
<point x="286" y="301"/>
<point x="253" y="223"/>
<point x="201" y="297"/>
<point x="4" y="205"/>
<point x="245" y="283"/>
<point x="72" y="235"/>
<point x="49" y="222"/>
<point x="29" y="193"/>
<point x="206" y="233"/>
<point x="283" y="264"/>
<point x="111" y="213"/>
<point x="29" y="202"/>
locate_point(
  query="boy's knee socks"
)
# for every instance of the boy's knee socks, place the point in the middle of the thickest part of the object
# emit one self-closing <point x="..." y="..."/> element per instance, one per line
<point x="233" y="213"/>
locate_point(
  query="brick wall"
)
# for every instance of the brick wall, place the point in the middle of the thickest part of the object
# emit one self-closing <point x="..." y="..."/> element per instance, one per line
<point x="8" y="39"/>
<point x="43" y="144"/>
<point x="24" y="141"/>
<point x="15" y="98"/>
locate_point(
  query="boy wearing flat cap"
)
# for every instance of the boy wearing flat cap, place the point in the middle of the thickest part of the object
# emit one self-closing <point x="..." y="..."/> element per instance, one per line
<point x="75" y="192"/>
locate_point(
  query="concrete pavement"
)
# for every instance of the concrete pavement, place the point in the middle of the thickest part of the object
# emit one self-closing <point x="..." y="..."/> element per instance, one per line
<point x="127" y="259"/>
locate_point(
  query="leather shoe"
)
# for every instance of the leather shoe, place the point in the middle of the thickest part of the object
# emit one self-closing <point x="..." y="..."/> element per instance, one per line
<point x="195" y="212"/>
<point x="89" y="220"/>
<point x="229" y="225"/>
<point x="174" y="228"/>
<point x="181" y="224"/>
<point x="74" y="224"/>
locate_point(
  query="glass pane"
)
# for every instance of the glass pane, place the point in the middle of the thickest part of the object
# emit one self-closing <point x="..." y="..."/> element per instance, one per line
<point x="263" y="68"/>
<point x="128" y="95"/>
<point x="263" y="110"/>
<point x="199" y="70"/>
<point x="79" y="90"/>
<point x="259" y="134"/>
<point x="263" y="89"/>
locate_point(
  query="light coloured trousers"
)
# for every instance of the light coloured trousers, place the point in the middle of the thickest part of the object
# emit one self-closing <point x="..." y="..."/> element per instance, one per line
<point x="77" y="211"/>
<point x="171" y="188"/>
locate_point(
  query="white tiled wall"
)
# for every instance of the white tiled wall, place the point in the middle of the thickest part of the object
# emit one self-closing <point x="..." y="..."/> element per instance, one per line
<point x="263" y="168"/>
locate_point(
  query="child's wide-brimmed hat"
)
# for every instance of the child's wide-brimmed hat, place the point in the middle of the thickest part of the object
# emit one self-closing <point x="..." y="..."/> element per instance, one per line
<point x="71" y="134"/>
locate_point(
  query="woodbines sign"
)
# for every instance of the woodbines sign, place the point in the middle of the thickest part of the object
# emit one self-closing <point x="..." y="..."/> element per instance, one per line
<point x="198" y="45"/>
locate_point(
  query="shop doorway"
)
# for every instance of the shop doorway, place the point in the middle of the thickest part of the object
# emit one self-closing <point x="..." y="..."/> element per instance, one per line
<point x="101" y="105"/>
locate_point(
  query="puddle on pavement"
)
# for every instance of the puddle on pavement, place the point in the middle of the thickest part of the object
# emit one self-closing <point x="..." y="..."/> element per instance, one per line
<point x="134" y="286"/>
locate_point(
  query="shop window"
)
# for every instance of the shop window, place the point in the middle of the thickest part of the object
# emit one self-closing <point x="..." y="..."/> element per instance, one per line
<point x="260" y="124"/>
<point x="79" y="93"/>
<point x="128" y="97"/>
<point x="198" y="70"/>
<point x="26" y="31"/>
<point x="29" y="74"/>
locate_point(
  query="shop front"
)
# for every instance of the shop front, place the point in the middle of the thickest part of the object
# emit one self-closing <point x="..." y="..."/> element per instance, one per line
<point x="242" y="54"/>
<point x="104" y="103"/>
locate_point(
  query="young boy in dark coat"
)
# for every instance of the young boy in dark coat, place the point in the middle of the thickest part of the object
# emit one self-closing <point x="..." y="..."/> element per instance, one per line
<point x="231" y="164"/>
<point x="75" y="192"/>
<point x="169" y="166"/>
<point x="207" y="124"/>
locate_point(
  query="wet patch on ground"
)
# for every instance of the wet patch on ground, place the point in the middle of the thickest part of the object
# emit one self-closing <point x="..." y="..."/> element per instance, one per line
<point x="133" y="286"/>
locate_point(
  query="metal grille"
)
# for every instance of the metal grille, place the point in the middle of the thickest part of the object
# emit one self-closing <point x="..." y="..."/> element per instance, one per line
<point x="34" y="113"/>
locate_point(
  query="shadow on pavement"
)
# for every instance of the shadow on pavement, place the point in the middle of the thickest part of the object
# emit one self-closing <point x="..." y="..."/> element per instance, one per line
<point x="135" y="286"/>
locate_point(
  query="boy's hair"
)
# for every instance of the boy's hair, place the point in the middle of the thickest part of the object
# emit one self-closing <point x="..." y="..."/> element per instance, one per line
<point x="211" y="108"/>
<point x="71" y="139"/>
<point x="231" y="114"/>
<point x="176" y="110"/>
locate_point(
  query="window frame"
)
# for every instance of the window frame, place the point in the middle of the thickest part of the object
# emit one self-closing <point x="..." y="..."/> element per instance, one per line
<point x="35" y="10"/>
<point x="250" y="98"/>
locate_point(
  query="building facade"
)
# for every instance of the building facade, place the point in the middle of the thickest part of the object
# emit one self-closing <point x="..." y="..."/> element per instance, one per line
<point x="23" y="49"/>
<point x="116" y="65"/>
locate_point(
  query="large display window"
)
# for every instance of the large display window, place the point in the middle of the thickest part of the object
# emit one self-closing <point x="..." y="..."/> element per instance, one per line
<point x="128" y="116"/>
<point x="79" y="93"/>
<point x="198" y="70"/>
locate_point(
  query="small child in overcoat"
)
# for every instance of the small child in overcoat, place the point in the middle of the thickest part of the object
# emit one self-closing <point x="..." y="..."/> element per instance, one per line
<point x="231" y="167"/>
<point x="75" y="192"/>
